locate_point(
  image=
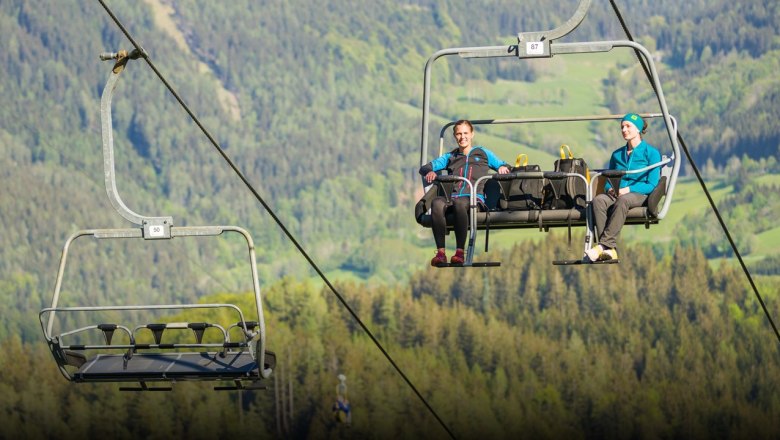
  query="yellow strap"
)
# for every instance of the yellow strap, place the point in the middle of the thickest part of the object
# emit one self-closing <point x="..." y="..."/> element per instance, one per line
<point x="563" y="154"/>
<point x="518" y="161"/>
<point x="571" y="156"/>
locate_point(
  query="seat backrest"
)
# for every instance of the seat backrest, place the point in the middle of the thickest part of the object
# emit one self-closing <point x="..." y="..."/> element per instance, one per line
<point x="654" y="199"/>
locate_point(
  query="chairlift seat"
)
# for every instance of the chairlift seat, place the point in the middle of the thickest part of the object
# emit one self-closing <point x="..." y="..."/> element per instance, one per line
<point x="199" y="366"/>
<point x="497" y="218"/>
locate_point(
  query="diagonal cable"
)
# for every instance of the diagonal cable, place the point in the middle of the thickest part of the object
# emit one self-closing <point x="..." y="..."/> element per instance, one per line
<point x="701" y="181"/>
<point x="275" y="217"/>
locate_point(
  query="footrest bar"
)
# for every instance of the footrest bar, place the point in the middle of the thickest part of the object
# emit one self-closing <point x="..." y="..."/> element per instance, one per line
<point x="576" y="262"/>
<point x="479" y="264"/>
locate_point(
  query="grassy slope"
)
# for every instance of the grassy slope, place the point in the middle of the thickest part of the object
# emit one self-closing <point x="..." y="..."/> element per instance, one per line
<point x="564" y="87"/>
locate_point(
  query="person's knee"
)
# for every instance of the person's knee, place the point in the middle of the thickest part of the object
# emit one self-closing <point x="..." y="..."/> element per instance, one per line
<point x="600" y="202"/>
<point x="438" y="205"/>
<point x="623" y="203"/>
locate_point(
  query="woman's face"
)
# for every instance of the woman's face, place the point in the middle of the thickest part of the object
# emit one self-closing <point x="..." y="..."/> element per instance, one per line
<point x="463" y="135"/>
<point x="629" y="130"/>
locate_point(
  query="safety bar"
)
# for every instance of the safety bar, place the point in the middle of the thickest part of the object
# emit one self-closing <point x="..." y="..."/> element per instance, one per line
<point x="52" y="310"/>
<point x="258" y="352"/>
<point x="553" y="175"/>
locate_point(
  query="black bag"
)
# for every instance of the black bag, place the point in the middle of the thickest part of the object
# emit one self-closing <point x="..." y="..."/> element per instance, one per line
<point x="570" y="192"/>
<point x="521" y="194"/>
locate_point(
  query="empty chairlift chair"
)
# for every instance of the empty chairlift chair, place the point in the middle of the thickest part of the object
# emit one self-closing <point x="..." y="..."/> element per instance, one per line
<point x="143" y="352"/>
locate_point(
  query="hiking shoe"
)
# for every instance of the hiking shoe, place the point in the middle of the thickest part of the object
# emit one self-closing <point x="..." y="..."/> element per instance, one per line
<point x="594" y="253"/>
<point x="440" y="258"/>
<point x="608" y="254"/>
<point x="458" y="257"/>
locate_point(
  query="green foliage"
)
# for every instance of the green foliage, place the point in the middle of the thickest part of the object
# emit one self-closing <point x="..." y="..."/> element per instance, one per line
<point x="767" y="266"/>
<point x="751" y="210"/>
<point x="652" y="348"/>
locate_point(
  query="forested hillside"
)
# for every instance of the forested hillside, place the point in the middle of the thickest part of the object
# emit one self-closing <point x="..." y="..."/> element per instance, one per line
<point x="319" y="105"/>
<point x="671" y="348"/>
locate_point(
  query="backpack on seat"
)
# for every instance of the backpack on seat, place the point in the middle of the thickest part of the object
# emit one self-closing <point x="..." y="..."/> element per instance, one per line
<point x="570" y="192"/>
<point x="521" y="194"/>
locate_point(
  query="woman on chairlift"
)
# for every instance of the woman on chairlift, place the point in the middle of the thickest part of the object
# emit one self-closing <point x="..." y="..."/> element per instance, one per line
<point x="468" y="161"/>
<point x="611" y="207"/>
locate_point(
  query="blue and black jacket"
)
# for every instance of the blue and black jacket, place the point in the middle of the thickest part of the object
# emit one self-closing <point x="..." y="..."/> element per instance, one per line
<point x="472" y="166"/>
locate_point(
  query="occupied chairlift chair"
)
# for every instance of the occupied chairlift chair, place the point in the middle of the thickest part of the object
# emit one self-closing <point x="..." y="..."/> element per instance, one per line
<point x="244" y="362"/>
<point x="542" y="45"/>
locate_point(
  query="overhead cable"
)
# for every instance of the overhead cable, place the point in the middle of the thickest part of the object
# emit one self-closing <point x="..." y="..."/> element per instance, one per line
<point x="703" y="185"/>
<point x="275" y="218"/>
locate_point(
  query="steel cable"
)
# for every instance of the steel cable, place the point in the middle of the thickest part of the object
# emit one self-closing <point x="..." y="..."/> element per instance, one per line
<point x="275" y="217"/>
<point x="701" y="181"/>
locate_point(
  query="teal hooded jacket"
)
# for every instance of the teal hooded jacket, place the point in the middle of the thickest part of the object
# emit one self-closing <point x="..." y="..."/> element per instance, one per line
<point x="643" y="156"/>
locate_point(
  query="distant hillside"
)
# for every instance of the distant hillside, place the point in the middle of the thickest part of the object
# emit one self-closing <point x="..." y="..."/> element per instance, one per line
<point x="320" y="108"/>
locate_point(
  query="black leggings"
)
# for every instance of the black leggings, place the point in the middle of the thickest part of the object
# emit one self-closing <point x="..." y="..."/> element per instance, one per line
<point x="439" y="210"/>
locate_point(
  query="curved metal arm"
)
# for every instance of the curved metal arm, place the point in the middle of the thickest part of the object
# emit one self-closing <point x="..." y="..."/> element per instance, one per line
<point x="571" y="23"/>
<point x="154" y="227"/>
<point x="537" y="44"/>
<point x="260" y="354"/>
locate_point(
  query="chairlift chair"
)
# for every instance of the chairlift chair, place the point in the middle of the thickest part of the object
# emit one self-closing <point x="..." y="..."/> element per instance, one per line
<point x="244" y="361"/>
<point x="533" y="45"/>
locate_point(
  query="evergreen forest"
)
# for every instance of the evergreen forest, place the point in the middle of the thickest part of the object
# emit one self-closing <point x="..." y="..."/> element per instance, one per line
<point x="318" y="105"/>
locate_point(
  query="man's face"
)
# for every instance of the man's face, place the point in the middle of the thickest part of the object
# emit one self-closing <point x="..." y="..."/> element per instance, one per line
<point x="463" y="135"/>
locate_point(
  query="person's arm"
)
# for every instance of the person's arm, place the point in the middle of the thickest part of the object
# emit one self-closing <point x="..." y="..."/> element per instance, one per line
<point x="495" y="163"/>
<point x="429" y="169"/>
<point x="612" y="165"/>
